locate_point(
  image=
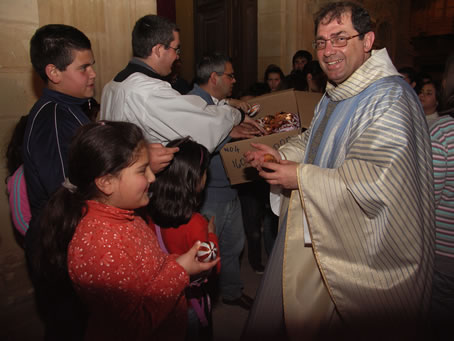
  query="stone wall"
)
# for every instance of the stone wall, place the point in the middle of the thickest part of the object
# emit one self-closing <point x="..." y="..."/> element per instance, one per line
<point x="285" y="26"/>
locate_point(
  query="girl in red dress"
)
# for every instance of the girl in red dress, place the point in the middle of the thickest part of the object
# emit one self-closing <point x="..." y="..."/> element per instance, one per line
<point x="132" y="289"/>
<point x="176" y="196"/>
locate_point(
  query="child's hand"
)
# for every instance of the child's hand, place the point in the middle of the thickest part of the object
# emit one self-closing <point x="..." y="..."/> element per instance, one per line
<point x="191" y="264"/>
<point x="211" y="226"/>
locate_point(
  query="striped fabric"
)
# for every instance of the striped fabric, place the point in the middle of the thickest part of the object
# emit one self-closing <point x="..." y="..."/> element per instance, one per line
<point x="368" y="200"/>
<point x="18" y="201"/>
<point x="442" y="135"/>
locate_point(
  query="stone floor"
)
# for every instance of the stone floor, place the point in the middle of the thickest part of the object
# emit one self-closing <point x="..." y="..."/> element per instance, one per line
<point x="228" y="321"/>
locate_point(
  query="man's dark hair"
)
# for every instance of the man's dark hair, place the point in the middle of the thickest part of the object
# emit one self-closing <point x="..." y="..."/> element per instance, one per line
<point x="410" y="72"/>
<point x="333" y="11"/>
<point x="208" y="64"/>
<point x="150" y="31"/>
<point x="302" y="54"/>
<point x="54" y="44"/>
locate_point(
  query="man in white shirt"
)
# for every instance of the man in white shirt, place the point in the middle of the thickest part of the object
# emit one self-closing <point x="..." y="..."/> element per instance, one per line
<point x="138" y="94"/>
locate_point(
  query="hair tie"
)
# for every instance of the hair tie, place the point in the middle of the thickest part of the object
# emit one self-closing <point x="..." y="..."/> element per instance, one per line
<point x="69" y="186"/>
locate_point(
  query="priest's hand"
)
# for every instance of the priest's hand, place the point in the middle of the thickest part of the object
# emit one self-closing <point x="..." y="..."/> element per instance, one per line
<point x="256" y="157"/>
<point x="283" y="173"/>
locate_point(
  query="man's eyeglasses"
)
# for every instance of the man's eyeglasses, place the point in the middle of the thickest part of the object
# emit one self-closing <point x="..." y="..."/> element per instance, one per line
<point x="177" y="49"/>
<point x="230" y="75"/>
<point x="338" y="41"/>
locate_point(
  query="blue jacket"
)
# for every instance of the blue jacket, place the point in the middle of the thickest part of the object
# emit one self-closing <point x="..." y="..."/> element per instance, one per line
<point x="218" y="188"/>
<point x="51" y="124"/>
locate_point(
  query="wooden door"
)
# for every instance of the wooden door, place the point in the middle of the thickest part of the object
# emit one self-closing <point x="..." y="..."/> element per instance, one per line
<point x="229" y="27"/>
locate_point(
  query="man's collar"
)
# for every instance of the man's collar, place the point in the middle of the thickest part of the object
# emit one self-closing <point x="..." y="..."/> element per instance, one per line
<point x="215" y="99"/>
<point x="140" y="62"/>
<point x="136" y="65"/>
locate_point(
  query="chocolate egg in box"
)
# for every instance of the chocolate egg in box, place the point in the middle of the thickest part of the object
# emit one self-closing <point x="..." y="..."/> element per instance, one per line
<point x="280" y="122"/>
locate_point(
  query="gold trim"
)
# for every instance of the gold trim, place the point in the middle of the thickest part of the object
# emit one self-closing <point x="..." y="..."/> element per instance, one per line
<point x="301" y="194"/>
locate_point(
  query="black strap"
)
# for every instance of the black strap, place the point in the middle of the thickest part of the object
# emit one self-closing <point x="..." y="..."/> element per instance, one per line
<point x="133" y="68"/>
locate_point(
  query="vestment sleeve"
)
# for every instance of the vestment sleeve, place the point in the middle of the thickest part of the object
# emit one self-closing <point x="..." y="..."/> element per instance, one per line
<point x="294" y="149"/>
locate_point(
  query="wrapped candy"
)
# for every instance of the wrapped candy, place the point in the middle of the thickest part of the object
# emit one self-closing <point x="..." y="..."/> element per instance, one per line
<point x="254" y="110"/>
<point x="280" y="122"/>
<point x="207" y="252"/>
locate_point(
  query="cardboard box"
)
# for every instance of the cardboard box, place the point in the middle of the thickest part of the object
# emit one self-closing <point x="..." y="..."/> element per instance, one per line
<point x="300" y="102"/>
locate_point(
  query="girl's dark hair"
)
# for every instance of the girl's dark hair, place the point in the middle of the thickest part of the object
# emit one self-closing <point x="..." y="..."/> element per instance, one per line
<point x="273" y="68"/>
<point x="96" y="150"/>
<point x="176" y="193"/>
<point x="14" y="149"/>
<point x="420" y="86"/>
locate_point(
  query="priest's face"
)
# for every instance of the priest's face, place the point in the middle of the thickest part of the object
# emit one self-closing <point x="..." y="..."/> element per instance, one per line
<point x="340" y="62"/>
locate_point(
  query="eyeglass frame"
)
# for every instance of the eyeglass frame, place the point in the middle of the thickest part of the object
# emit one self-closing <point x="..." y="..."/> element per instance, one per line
<point x="177" y="49"/>
<point x="314" y="44"/>
<point x="230" y="75"/>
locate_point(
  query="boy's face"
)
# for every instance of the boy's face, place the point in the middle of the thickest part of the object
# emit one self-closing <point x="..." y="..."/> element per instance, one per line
<point x="274" y="79"/>
<point x="78" y="80"/>
<point x="299" y="63"/>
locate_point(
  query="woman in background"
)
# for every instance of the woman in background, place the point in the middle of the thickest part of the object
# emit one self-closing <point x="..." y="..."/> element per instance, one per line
<point x="442" y="136"/>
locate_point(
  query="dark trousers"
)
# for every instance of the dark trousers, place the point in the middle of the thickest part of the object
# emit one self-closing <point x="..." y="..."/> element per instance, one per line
<point x="255" y="207"/>
<point x="59" y="307"/>
<point x="442" y="306"/>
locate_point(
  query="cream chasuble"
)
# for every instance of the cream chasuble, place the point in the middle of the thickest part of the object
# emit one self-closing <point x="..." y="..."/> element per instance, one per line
<point x="368" y="201"/>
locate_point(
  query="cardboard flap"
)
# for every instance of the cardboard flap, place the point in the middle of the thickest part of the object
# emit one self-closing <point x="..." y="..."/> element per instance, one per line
<point x="306" y="102"/>
<point x="275" y="102"/>
<point x="232" y="155"/>
<point x="300" y="102"/>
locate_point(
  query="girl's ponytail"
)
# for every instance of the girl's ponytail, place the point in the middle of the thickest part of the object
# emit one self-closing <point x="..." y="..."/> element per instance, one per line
<point x="58" y="223"/>
<point x="96" y="150"/>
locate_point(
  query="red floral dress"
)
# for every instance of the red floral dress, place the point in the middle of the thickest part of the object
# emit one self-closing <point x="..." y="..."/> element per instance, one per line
<point x="134" y="290"/>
